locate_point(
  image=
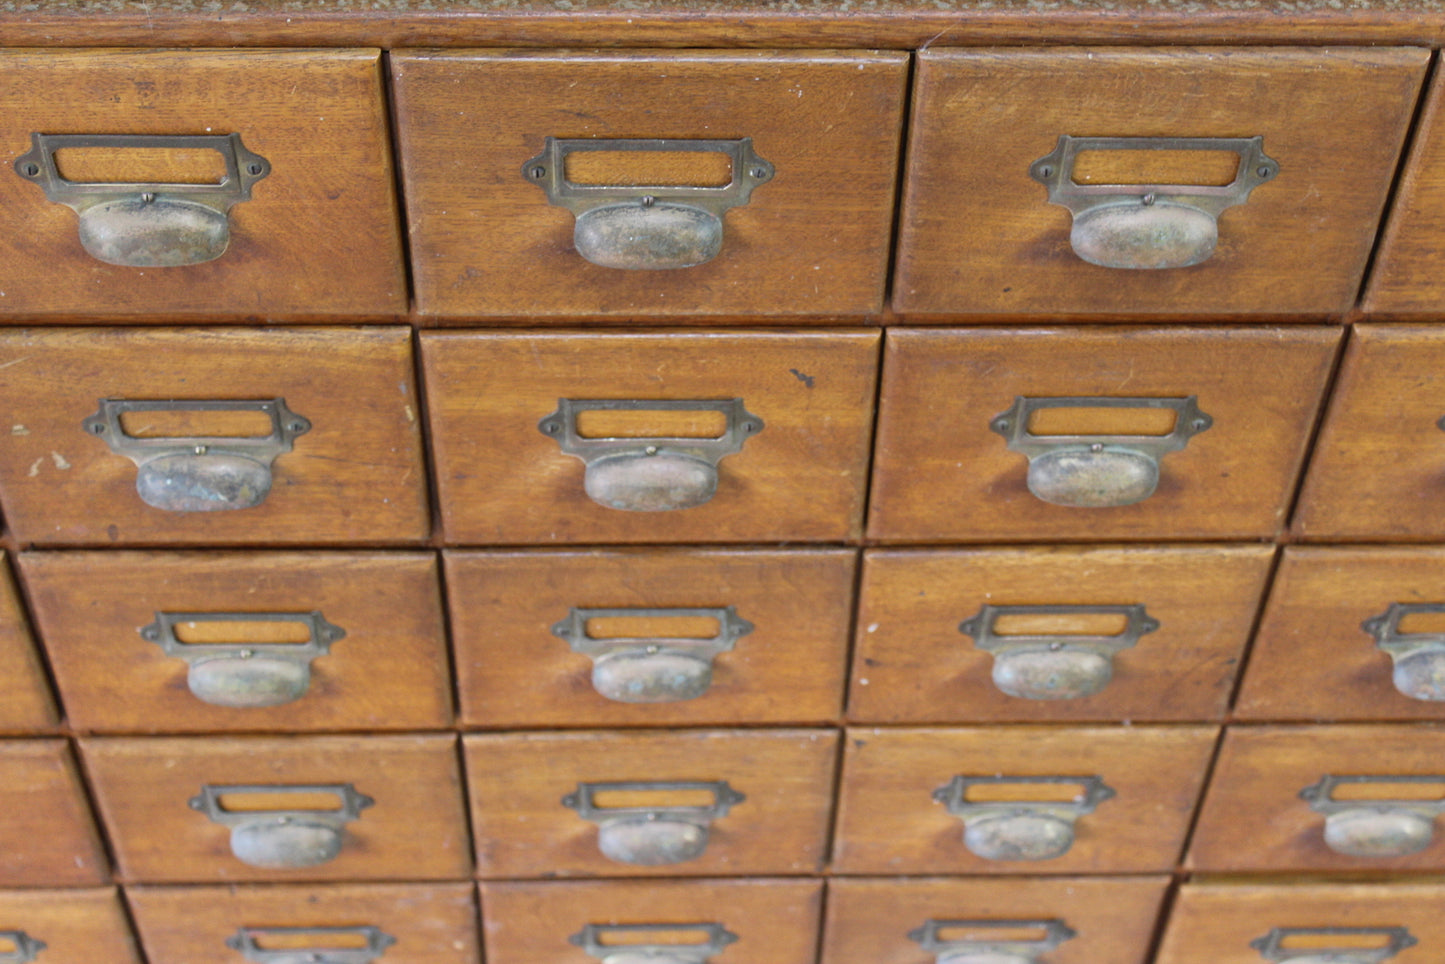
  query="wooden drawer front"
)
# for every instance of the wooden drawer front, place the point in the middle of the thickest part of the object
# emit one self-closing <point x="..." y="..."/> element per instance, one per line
<point x="318" y="236"/>
<point x="1067" y="616"/>
<point x="889" y="821"/>
<point x="531" y="631"/>
<point x="887" y="921"/>
<point x="414" y="829"/>
<point x="1313" y="658"/>
<point x="27" y="706"/>
<point x="428" y="923"/>
<point x="1255" y="817"/>
<point x="47" y="837"/>
<point x="76" y="926"/>
<point x="980" y="236"/>
<point x="771" y="921"/>
<point x="366" y="645"/>
<point x="523" y="827"/>
<point x="811" y="240"/>
<point x="1376" y="472"/>
<point x="359" y="459"/>
<point x="943" y="472"/>
<point x="1405" y="279"/>
<point x="1218" y="922"/>
<point x="799" y="477"/>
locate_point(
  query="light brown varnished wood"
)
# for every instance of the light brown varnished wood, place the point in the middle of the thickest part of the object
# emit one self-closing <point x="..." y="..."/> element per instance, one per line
<point x="432" y="923"/>
<point x="775" y="921"/>
<point x="319" y="236"/>
<point x="485" y="241"/>
<point x="888" y="822"/>
<point x="415" y="831"/>
<point x="913" y="665"/>
<point x="513" y="672"/>
<point x="1253" y="819"/>
<point x="355" y="477"/>
<point x="869" y="919"/>
<point x="1377" y="473"/>
<point x="47" y="836"/>
<point x="501" y="481"/>
<point x="388" y="673"/>
<point x="77" y="926"/>
<point x="977" y="235"/>
<point x="27" y="706"/>
<point x="941" y="475"/>
<point x="516" y="783"/>
<point x="1311" y="660"/>
<point x="1213" y="923"/>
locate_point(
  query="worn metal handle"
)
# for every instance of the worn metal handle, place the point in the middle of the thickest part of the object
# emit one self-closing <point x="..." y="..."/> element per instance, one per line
<point x="1146" y="226"/>
<point x="650" y="474"/>
<point x="1381" y="827"/>
<point x="1002" y="949"/>
<point x="199" y="473"/>
<point x="1020" y="829"/>
<point x="284" y="839"/>
<point x="628" y="944"/>
<point x="653" y="836"/>
<point x="647" y="227"/>
<point x="24" y="948"/>
<point x="1272" y="945"/>
<point x="245" y="674"/>
<point x="1096" y="471"/>
<point x="323" y="948"/>
<point x="652" y="669"/>
<point x="1418" y="658"/>
<point x="148" y="224"/>
<point x="1054" y="666"/>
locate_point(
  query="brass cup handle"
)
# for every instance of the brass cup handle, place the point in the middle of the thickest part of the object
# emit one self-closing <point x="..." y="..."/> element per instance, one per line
<point x="1004" y="946"/>
<point x="284" y="839"/>
<point x="628" y="943"/>
<point x="23" y="947"/>
<point x="1054" y="666"/>
<point x="1379" y="827"/>
<point x="1418" y="659"/>
<point x="311" y="945"/>
<point x="653" y="836"/>
<point x="1358" y="945"/>
<point x="1006" y="830"/>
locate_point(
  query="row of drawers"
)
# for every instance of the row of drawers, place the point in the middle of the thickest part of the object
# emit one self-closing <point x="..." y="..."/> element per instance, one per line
<point x="637" y="803"/>
<point x="862" y="921"/>
<point x="192" y="642"/>
<point x="1142" y="182"/>
<point x="315" y="436"/>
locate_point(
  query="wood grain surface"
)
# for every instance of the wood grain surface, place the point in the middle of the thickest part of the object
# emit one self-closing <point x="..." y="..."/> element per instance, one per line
<point x="889" y="823"/>
<point x="415" y="831"/>
<point x="516" y="783"/>
<point x="319" y="237"/>
<point x="27" y="706"/>
<point x="47" y="836"/>
<point x="977" y="235"/>
<point x="355" y="477"/>
<point x="912" y="665"/>
<point x="78" y="926"/>
<point x="486" y="243"/>
<point x="1253" y="819"/>
<point x="941" y="475"/>
<point x="501" y="481"/>
<point x="388" y="673"/>
<point x="513" y="672"/>
<point x="776" y="921"/>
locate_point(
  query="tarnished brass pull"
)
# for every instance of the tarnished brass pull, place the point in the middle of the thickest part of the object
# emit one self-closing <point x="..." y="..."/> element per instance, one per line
<point x="1312" y="946"/>
<point x="1148" y="225"/>
<point x="148" y="225"/>
<point x="23" y="947"/>
<point x="285" y="838"/>
<point x="311" y="945"/>
<point x="1096" y="471"/>
<point x="652" y="836"/>
<point x="648" y="227"/>
<point x="1054" y="666"/>
<point x="652" y="669"/>
<point x="195" y="473"/>
<point x="1375" y="826"/>
<point x="1020" y="829"/>
<point x="1418" y="658"/>
<point x="629" y="944"/>
<point x="650" y="474"/>
<point x="991" y="941"/>
<point x="245" y="674"/>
